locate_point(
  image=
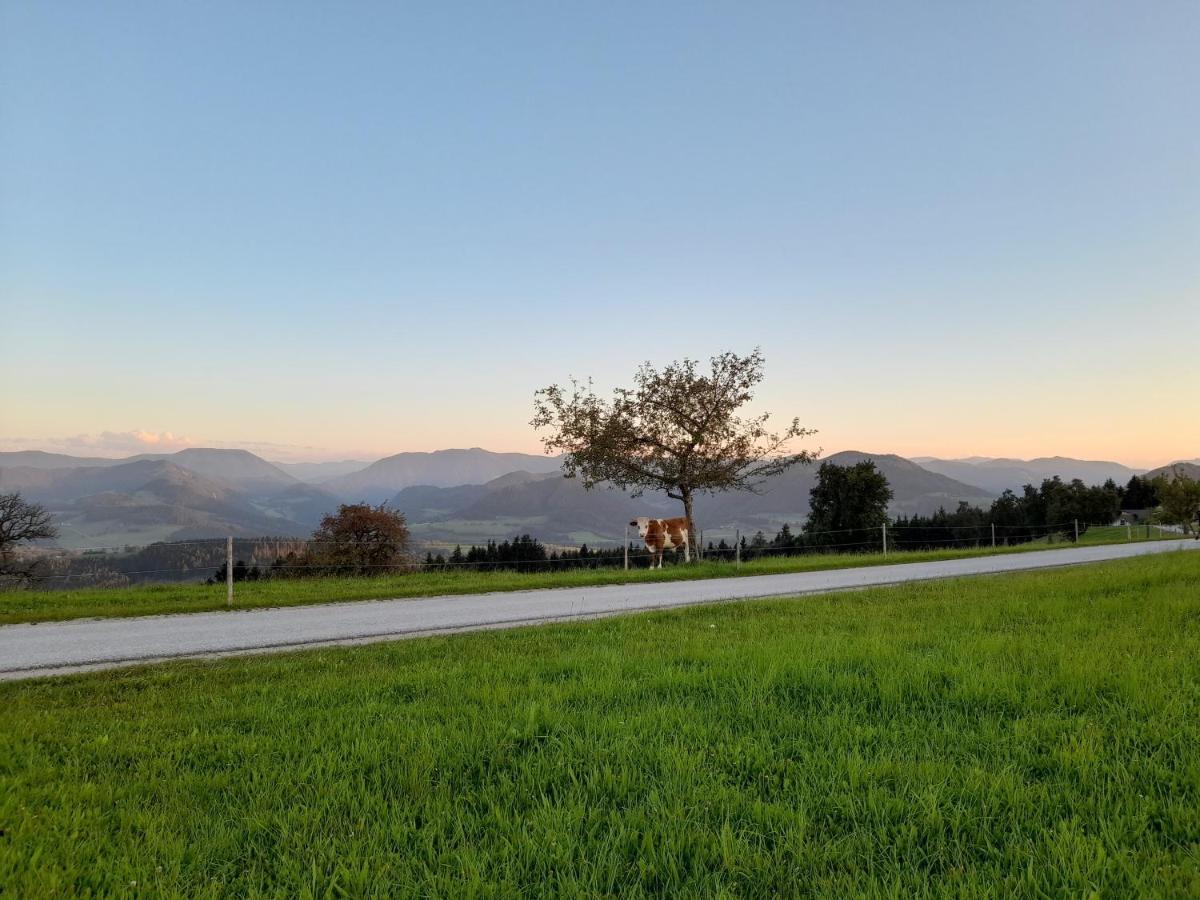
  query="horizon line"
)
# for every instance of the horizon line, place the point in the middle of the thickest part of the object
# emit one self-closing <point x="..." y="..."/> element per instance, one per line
<point x="370" y="458"/>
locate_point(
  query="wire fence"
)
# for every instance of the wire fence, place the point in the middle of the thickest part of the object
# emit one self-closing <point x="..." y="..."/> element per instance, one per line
<point x="228" y="560"/>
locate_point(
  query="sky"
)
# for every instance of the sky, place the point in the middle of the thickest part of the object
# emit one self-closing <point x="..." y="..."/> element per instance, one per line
<point x="324" y="231"/>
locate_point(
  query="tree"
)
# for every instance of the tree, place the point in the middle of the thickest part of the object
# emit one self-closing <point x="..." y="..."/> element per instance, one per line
<point x="676" y="430"/>
<point x="241" y="572"/>
<point x="848" y="498"/>
<point x="360" y="539"/>
<point x="1180" y="497"/>
<point x="1140" y="493"/>
<point x="21" y="523"/>
<point x="1067" y="503"/>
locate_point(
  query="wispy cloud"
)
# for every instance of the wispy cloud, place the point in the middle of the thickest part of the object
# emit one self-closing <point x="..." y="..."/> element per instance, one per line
<point x="163" y="440"/>
<point x="106" y="443"/>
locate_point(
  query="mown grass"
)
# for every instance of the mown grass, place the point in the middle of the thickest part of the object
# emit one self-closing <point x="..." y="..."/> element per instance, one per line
<point x="1119" y="534"/>
<point x="53" y="605"/>
<point x="1033" y="734"/>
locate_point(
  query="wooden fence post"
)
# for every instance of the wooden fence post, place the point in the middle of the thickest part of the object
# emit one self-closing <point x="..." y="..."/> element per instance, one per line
<point x="229" y="571"/>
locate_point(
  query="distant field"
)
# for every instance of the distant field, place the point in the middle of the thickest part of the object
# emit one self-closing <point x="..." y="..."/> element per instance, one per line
<point x="1115" y="534"/>
<point x="1030" y="734"/>
<point x="49" y="606"/>
<point x="72" y="537"/>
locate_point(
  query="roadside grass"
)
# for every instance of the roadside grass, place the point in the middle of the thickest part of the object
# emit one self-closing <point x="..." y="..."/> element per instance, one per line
<point x="1120" y="534"/>
<point x="1033" y="734"/>
<point x="57" y="605"/>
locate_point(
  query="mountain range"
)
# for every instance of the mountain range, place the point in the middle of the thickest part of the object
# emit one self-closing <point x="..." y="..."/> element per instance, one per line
<point x="318" y="472"/>
<point x="560" y="509"/>
<point x="999" y="475"/>
<point x="449" y="496"/>
<point x="191" y="494"/>
<point x="442" y="468"/>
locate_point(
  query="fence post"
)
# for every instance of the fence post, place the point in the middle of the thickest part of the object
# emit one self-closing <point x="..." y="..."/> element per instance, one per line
<point x="1128" y="532"/>
<point x="700" y="549"/>
<point x="885" y="538"/>
<point x="626" y="548"/>
<point x="229" y="571"/>
<point x="737" y="548"/>
<point x="1076" y="530"/>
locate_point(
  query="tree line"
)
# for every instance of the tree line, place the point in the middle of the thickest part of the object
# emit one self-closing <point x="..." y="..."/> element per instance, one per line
<point x="849" y="507"/>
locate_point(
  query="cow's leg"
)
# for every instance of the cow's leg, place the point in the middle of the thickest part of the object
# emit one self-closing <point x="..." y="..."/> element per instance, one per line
<point x="658" y="555"/>
<point x="687" y="552"/>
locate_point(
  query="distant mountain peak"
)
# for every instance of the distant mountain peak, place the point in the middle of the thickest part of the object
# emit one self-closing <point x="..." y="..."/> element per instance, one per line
<point x="440" y="468"/>
<point x="1190" y="468"/>
<point x="998" y="474"/>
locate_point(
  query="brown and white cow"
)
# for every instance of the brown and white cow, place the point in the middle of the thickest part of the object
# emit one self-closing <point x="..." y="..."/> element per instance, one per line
<point x="663" y="534"/>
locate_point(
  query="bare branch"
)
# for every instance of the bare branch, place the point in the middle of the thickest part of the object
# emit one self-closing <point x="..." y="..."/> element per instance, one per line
<point x="21" y="523"/>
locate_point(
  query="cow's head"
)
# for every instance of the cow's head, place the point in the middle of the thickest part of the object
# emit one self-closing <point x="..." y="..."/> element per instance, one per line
<point x="642" y="524"/>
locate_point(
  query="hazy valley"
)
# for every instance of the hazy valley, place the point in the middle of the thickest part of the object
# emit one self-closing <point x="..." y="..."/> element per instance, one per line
<point x="448" y="496"/>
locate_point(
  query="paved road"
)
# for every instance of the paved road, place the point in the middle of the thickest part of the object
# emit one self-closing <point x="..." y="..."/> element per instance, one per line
<point x="29" y="651"/>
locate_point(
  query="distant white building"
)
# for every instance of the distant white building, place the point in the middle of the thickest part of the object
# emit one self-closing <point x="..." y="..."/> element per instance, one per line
<point x="1136" y="516"/>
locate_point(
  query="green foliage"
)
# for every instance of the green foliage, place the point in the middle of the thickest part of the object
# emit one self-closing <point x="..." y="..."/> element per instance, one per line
<point x="966" y="525"/>
<point x="1056" y="504"/>
<point x="1025" y="735"/>
<point x="1180" y="496"/>
<point x="848" y="498"/>
<point x="1076" y="501"/>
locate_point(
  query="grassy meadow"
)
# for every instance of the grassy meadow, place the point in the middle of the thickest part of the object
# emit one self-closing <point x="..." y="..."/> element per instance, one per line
<point x="1032" y="734"/>
<point x="57" y="605"/>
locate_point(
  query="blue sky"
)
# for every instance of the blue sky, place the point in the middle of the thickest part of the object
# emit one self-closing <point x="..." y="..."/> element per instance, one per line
<point x="328" y="230"/>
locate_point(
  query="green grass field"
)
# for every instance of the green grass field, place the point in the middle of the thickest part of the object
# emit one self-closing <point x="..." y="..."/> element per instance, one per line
<point x="49" y="606"/>
<point x="1033" y="734"/>
<point x="1119" y="534"/>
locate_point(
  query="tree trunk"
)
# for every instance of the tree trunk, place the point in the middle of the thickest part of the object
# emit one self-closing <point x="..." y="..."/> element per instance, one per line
<point x="691" y="522"/>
